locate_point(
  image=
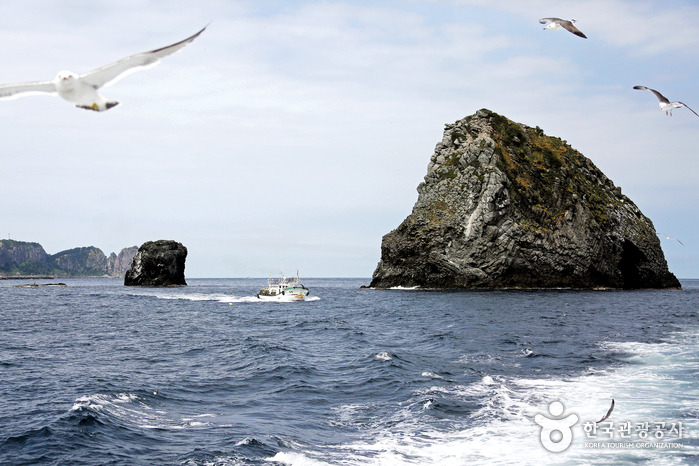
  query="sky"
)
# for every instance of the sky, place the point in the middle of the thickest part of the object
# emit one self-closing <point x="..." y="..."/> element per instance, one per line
<point x="293" y="134"/>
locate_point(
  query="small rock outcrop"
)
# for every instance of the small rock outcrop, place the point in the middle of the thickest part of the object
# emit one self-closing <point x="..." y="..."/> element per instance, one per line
<point x="158" y="263"/>
<point x="505" y="206"/>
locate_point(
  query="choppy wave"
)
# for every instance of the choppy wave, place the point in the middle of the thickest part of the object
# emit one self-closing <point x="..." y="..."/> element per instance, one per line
<point x="138" y="410"/>
<point x="657" y="385"/>
<point x="356" y="378"/>
<point x="383" y="356"/>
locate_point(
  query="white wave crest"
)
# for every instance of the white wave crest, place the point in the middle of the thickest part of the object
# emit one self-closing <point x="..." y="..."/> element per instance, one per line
<point x="132" y="409"/>
<point x="383" y="356"/>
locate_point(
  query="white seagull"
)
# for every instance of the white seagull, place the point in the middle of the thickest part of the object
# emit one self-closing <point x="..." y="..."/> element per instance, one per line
<point x="557" y="23"/>
<point x="664" y="103"/>
<point x="670" y="237"/>
<point x="82" y="89"/>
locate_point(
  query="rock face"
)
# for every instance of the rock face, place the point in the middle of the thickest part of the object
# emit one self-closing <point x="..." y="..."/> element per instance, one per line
<point x="88" y="261"/>
<point x="22" y="258"/>
<point x="158" y="263"/>
<point x="117" y="266"/>
<point x="14" y="253"/>
<point x="505" y="206"/>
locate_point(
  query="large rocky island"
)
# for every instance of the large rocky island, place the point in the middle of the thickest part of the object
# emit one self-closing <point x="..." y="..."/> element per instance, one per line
<point x="505" y="206"/>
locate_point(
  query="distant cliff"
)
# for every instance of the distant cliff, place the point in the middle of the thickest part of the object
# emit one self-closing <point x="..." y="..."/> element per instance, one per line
<point x="505" y="206"/>
<point x="117" y="266"/>
<point x="22" y="258"/>
<point x="13" y="253"/>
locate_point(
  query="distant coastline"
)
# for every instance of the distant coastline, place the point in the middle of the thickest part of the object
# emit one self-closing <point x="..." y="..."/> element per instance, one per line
<point x="22" y="260"/>
<point x="27" y="277"/>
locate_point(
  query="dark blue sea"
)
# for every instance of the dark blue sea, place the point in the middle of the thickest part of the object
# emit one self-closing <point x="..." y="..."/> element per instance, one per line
<point x="96" y="373"/>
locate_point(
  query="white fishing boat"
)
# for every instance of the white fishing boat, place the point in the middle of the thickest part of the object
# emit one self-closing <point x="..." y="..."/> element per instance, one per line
<point x="284" y="289"/>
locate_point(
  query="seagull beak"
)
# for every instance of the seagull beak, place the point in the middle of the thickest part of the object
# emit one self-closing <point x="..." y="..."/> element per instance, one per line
<point x="65" y="78"/>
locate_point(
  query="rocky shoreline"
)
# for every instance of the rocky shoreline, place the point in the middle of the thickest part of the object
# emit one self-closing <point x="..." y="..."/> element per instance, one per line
<point x="27" y="277"/>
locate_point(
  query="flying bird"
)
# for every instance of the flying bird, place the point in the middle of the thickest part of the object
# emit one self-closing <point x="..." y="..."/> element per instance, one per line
<point x="664" y="103"/>
<point x="609" y="413"/>
<point x="82" y="89"/>
<point x="557" y="23"/>
<point x="669" y="237"/>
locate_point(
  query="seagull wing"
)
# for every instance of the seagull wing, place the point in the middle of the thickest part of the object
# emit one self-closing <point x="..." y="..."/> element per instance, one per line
<point x="552" y="20"/>
<point x="670" y="237"/>
<point x="609" y="413"/>
<point x="569" y="26"/>
<point x="12" y="91"/>
<point x="689" y="108"/>
<point x="660" y="97"/>
<point x="110" y="74"/>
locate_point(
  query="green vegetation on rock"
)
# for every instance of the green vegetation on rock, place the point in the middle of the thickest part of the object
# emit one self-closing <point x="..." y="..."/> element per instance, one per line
<point x="504" y="205"/>
<point x="24" y="258"/>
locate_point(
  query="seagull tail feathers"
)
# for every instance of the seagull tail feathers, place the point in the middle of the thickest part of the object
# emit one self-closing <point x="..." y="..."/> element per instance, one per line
<point x="100" y="106"/>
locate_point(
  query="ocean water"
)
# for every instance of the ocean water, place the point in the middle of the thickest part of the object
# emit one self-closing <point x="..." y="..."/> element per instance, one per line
<point x="96" y="373"/>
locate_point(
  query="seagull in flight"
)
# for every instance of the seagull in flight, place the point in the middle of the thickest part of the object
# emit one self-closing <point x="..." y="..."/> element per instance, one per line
<point x="557" y="23"/>
<point x="664" y="103"/>
<point x="609" y="413"/>
<point x="670" y="237"/>
<point x="82" y="89"/>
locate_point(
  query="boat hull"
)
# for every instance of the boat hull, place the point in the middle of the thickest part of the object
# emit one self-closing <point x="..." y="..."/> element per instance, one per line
<point x="284" y="290"/>
<point x="298" y="294"/>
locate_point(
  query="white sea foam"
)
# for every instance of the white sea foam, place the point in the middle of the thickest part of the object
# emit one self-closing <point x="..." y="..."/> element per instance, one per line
<point x="295" y="459"/>
<point x="221" y="298"/>
<point x="656" y="385"/>
<point x="383" y="356"/>
<point x="287" y="299"/>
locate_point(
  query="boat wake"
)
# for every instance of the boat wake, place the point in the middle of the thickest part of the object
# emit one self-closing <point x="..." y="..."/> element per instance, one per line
<point x="225" y="298"/>
<point x="498" y="411"/>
